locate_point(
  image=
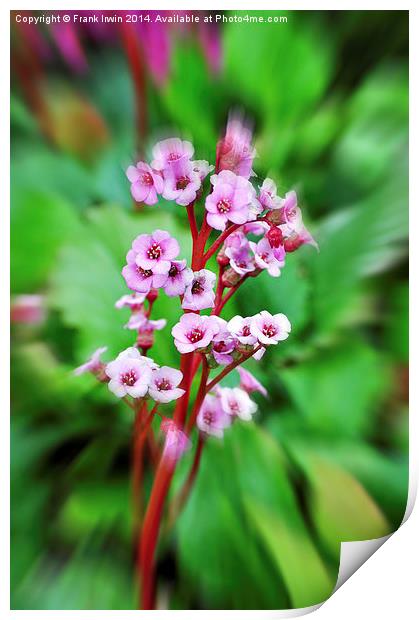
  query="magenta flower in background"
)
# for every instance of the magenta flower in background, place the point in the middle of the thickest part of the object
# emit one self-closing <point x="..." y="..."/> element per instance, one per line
<point x="166" y="152"/>
<point x="235" y="151"/>
<point x="176" y="442"/>
<point x="29" y="309"/>
<point x="145" y="183"/>
<point x="265" y="257"/>
<point x="155" y="43"/>
<point x="270" y="329"/>
<point x="236" y="402"/>
<point x="139" y="279"/>
<point x="230" y="200"/>
<point x="268" y="197"/>
<point x="155" y="251"/>
<point x="249" y="383"/>
<point x="239" y="327"/>
<point x="129" y="374"/>
<point x="67" y="40"/>
<point x="199" y="293"/>
<point x="179" y="277"/>
<point x="181" y="182"/>
<point x="93" y="364"/>
<point x="135" y="301"/>
<point x="209" y="37"/>
<point x="194" y="332"/>
<point x="164" y="385"/>
<point x="212" y="419"/>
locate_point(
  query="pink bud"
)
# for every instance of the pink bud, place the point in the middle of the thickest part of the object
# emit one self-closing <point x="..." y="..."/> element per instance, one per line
<point x="153" y="294"/>
<point x="274" y="236"/>
<point x="230" y="278"/>
<point x="293" y="243"/>
<point x="222" y="259"/>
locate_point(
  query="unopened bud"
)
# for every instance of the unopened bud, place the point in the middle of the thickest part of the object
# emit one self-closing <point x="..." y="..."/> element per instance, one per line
<point x="230" y="278"/>
<point x="276" y="216"/>
<point x="152" y="295"/>
<point x="145" y="339"/>
<point x="274" y="236"/>
<point x="293" y="243"/>
<point x="211" y="361"/>
<point x="222" y="259"/>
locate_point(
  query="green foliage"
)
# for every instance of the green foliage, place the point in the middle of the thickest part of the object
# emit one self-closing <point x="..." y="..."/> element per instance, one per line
<point x="40" y="223"/>
<point x="326" y="459"/>
<point x="319" y="388"/>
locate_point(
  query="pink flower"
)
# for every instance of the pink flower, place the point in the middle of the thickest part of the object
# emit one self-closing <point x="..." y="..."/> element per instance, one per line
<point x="194" y="332"/>
<point x="135" y="301"/>
<point x="255" y="228"/>
<point x="236" y="402"/>
<point x="155" y="251"/>
<point x="265" y="257"/>
<point x="166" y="152"/>
<point x="202" y="167"/>
<point x="139" y="279"/>
<point x="199" y="293"/>
<point x="249" y="383"/>
<point x="240" y="257"/>
<point x="164" y="385"/>
<point x="176" y="441"/>
<point x="140" y="322"/>
<point x="239" y="328"/>
<point x="235" y="151"/>
<point x="129" y="374"/>
<point x="230" y="200"/>
<point x="210" y="39"/>
<point x="223" y="343"/>
<point x="178" y="278"/>
<point x="29" y="309"/>
<point x="212" y="419"/>
<point x="145" y="183"/>
<point x="93" y="364"/>
<point x="268" y="197"/>
<point x="270" y="329"/>
<point x="292" y="225"/>
<point x="181" y="182"/>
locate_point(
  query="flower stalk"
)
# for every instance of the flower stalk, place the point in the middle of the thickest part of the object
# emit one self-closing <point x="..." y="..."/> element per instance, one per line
<point x="206" y="342"/>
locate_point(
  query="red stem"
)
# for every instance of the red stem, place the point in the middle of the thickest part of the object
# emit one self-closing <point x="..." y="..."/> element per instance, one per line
<point x="230" y="294"/>
<point x="190" y="209"/>
<point x="214" y="247"/>
<point x="231" y="367"/>
<point x="133" y="52"/>
<point x="199" y="397"/>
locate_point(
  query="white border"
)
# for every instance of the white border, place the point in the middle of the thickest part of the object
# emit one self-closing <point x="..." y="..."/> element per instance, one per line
<point x="379" y="587"/>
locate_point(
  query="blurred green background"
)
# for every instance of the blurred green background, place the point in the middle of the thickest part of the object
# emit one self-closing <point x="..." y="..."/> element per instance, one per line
<point x="326" y="457"/>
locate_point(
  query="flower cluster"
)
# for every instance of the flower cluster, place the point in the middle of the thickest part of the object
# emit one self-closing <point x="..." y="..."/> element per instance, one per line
<point x="172" y="173"/>
<point x="135" y="375"/>
<point x="227" y="340"/>
<point x="255" y="229"/>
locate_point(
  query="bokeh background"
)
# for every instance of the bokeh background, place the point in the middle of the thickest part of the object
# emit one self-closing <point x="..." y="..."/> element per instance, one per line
<point x="326" y="458"/>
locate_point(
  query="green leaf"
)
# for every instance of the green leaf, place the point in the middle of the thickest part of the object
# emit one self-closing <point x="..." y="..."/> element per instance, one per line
<point x="270" y="502"/>
<point x="288" y="294"/>
<point x="339" y="391"/>
<point x="340" y="508"/>
<point x="40" y="223"/>
<point x="87" y="281"/>
<point x="254" y="533"/>
<point x="397" y="326"/>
